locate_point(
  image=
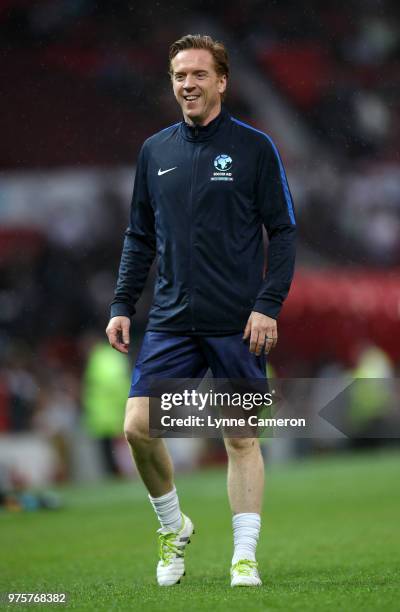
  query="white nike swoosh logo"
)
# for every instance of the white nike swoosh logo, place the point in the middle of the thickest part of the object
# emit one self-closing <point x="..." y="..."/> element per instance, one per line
<point x="161" y="172"/>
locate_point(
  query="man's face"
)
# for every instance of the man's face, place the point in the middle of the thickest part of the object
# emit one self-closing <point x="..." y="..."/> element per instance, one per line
<point x="197" y="87"/>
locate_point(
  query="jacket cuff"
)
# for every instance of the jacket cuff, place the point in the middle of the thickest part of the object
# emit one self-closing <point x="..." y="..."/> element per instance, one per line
<point x="120" y="309"/>
<point x="270" y="308"/>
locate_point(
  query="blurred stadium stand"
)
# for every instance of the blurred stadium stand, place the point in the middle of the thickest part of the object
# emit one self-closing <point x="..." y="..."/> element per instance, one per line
<point x="85" y="82"/>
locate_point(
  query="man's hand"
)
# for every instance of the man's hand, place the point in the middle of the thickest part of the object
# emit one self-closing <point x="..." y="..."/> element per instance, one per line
<point x="118" y="333"/>
<point x="262" y="331"/>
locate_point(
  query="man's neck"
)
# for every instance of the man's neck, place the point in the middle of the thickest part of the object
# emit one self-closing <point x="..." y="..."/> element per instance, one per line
<point x="198" y="121"/>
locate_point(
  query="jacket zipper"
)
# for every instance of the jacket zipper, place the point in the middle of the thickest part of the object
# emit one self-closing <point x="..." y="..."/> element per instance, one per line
<point x="192" y="182"/>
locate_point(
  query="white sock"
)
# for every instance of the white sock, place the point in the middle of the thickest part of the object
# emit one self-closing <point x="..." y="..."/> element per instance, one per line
<point x="168" y="510"/>
<point x="246" y="529"/>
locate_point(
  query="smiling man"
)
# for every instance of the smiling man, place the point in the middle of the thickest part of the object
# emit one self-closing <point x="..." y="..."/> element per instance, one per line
<point x="199" y="84"/>
<point x="204" y="188"/>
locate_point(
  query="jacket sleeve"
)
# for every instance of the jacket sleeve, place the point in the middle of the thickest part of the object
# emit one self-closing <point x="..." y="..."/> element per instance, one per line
<point x="277" y="213"/>
<point x="139" y="246"/>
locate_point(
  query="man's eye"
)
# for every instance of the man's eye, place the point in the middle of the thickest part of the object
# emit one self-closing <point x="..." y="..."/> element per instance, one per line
<point x="178" y="77"/>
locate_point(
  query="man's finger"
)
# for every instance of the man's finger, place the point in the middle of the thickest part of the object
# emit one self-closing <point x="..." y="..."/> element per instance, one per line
<point x="113" y="338"/>
<point x="125" y="332"/>
<point x="260" y="343"/>
<point x="120" y="346"/>
<point x="253" y="340"/>
<point x="270" y="342"/>
<point x="247" y="330"/>
<point x="112" y="335"/>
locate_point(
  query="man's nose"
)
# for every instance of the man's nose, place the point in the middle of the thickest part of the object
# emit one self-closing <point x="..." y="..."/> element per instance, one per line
<point x="188" y="83"/>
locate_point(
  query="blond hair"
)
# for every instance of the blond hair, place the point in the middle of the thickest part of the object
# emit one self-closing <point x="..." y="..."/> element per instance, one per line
<point x="199" y="41"/>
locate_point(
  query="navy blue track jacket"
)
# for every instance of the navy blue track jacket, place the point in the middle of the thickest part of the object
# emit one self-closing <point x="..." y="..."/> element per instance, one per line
<point x="200" y="198"/>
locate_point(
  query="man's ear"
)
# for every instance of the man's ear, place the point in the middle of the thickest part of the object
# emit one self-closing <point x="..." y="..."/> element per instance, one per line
<point x="223" y="82"/>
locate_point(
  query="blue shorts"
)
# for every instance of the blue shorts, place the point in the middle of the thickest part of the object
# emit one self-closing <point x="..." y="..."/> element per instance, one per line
<point x="164" y="355"/>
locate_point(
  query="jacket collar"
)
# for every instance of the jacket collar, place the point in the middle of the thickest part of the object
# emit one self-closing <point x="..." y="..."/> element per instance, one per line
<point x="201" y="133"/>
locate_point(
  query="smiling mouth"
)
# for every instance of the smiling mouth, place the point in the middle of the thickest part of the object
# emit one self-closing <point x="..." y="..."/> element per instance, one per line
<point x="191" y="98"/>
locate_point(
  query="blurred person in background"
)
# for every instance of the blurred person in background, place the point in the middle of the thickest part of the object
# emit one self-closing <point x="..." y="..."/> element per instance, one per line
<point x="372" y="399"/>
<point x="204" y="188"/>
<point x="56" y="416"/>
<point x="19" y="388"/>
<point x="104" y="386"/>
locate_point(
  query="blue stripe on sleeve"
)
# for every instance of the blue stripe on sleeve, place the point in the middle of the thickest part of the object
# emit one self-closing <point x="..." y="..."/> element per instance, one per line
<point x="288" y="197"/>
<point x="170" y="127"/>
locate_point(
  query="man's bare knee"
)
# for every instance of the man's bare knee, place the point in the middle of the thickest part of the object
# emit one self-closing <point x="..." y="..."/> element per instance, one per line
<point x="136" y="425"/>
<point x="241" y="446"/>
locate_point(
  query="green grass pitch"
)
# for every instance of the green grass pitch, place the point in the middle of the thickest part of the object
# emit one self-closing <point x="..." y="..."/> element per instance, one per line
<point x="330" y="541"/>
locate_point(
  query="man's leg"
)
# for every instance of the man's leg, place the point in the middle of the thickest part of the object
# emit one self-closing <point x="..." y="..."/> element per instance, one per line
<point x="151" y="455"/>
<point x="162" y="355"/>
<point x="245" y="492"/>
<point x="245" y="474"/>
<point x="154" y="464"/>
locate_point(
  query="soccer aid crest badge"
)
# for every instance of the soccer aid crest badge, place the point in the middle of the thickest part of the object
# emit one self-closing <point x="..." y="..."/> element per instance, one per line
<point x="222" y="164"/>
